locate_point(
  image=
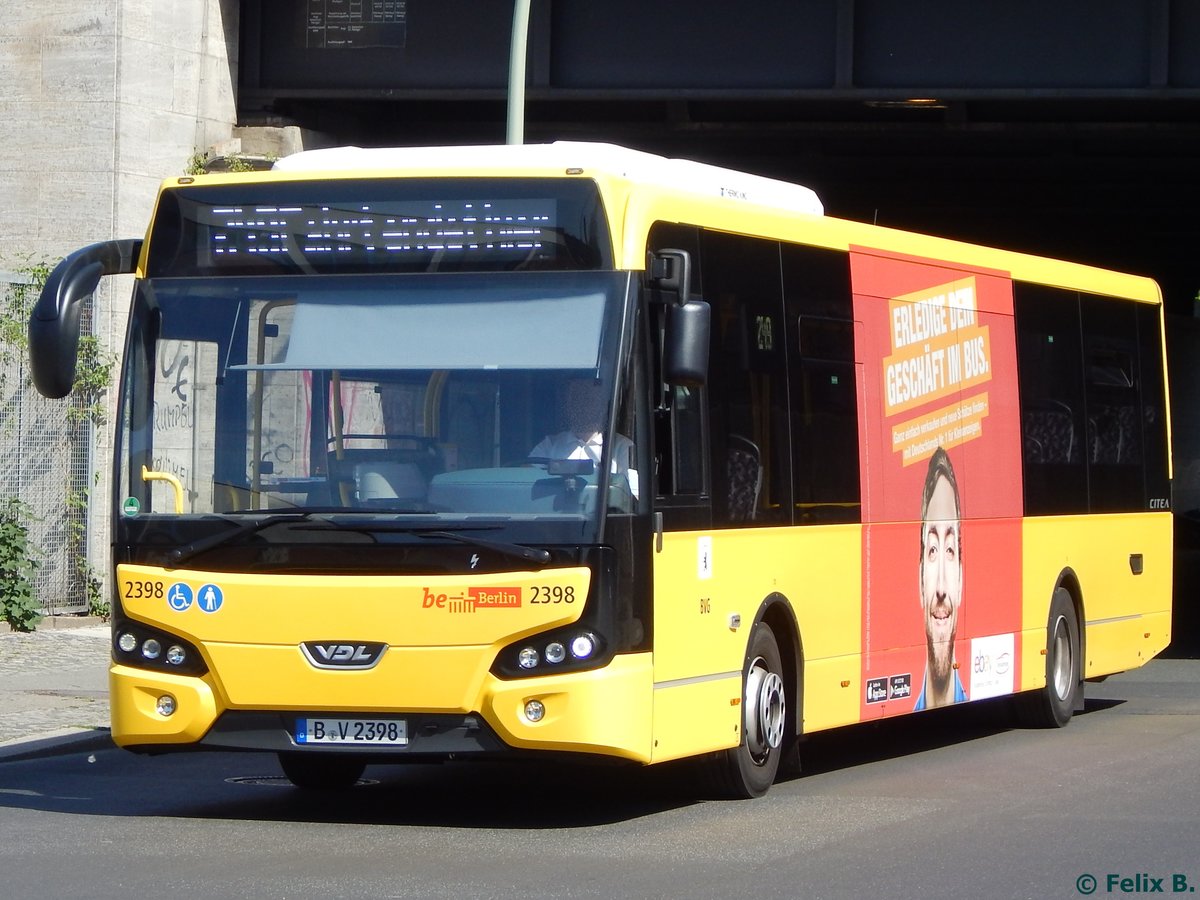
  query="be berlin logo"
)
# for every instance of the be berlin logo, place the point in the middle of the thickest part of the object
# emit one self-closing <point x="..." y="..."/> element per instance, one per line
<point x="1141" y="883"/>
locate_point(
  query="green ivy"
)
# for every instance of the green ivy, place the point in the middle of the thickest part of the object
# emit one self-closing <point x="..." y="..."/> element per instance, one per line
<point x="93" y="374"/>
<point x="195" y="164"/>
<point x="198" y="162"/>
<point x="14" y="314"/>
<point x="17" y="568"/>
<point x="93" y="588"/>
<point x="97" y="605"/>
<point x="18" y="606"/>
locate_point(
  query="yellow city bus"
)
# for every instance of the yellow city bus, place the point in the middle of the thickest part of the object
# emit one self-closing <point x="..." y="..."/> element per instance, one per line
<point x="497" y="451"/>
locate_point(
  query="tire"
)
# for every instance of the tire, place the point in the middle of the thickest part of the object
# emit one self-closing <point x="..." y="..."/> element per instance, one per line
<point x="321" y="771"/>
<point x="749" y="770"/>
<point x="1053" y="705"/>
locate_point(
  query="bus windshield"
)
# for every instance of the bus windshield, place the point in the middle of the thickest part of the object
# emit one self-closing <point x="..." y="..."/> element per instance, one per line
<point x="440" y="397"/>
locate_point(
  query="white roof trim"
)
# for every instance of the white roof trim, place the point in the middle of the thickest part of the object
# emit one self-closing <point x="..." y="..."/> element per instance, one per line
<point x="681" y="174"/>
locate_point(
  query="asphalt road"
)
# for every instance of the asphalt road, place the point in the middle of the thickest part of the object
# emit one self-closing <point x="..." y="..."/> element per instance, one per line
<point x="953" y="803"/>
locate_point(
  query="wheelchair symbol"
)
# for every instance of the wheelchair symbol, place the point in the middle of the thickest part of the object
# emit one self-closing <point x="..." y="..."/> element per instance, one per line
<point x="179" y="596"/>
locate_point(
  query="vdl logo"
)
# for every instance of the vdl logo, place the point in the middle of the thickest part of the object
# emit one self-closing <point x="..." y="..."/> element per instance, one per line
<point x="341" y="655"/>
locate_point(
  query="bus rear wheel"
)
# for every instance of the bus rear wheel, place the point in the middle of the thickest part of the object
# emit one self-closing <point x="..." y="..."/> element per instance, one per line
<point x="321" y="771"/>
<point x="749" y="769"/>
<point x="1053" y="705"/>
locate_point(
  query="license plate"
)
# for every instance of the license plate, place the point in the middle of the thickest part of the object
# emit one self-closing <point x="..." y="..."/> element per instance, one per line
<point x="357" y="732"/>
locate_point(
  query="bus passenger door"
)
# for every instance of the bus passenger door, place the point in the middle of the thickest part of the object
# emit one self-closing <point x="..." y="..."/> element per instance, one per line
<point x="697" y="667"/>
<point x="692" y="710"/>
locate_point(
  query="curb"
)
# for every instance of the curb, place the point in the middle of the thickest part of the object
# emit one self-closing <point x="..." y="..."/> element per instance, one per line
<point x="59" y="623"/>
<point x="57" y="743"/>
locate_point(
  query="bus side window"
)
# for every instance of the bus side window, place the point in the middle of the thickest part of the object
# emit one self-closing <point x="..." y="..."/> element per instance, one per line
<point x="679" y="413"/>
<point x="1092" y="403"/>
<point x="1111" y="379"/>
<point x="1050" y="367"/>
<point x="747" y="385"/>
<point x="824" y="390"/>
<point x="689" y="441"/>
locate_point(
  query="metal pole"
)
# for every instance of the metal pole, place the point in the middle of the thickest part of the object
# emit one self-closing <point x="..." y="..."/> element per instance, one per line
<point x="516" y="72"/>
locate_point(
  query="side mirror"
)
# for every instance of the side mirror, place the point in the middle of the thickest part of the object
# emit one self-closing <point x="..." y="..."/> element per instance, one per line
<point x="685" y="344"/>
<point x="54" y="322"/>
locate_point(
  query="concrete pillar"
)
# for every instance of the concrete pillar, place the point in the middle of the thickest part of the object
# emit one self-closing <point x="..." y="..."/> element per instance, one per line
<point x="102" y="100"/>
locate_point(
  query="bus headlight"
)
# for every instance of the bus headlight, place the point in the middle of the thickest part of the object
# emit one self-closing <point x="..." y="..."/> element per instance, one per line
<point x="528" y="658"/>
<point x="535" y="710"/>
<point x="564" y="650"/>
<point x="583" y="646"/>
<point x="136" y="644"/>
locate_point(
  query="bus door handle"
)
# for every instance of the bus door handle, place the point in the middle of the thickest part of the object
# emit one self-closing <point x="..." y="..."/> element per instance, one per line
<point x="1135" y="563"/>
<point x="658" y="532"/>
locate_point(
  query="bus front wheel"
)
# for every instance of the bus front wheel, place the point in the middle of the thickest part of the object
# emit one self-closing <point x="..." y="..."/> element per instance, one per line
<point x="749" y="769"/>
<point x="1053" y="705"/>
<point x="321" y="771"/>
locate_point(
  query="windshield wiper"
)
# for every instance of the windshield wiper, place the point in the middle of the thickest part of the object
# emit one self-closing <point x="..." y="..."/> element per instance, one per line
<point x="180" y="555"/>
<point x="517" y="551"/>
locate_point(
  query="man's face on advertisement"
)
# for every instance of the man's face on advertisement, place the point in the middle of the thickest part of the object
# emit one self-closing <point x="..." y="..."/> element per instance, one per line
<point x="941" y="577"/>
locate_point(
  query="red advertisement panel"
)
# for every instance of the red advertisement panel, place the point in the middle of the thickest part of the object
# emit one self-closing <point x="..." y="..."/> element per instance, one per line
<point x="940" y="463"/>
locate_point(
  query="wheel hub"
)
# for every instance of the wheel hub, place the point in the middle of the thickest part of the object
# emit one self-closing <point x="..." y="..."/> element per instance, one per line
<point x="1063" y="666"/>
<point x="765" y="710"/>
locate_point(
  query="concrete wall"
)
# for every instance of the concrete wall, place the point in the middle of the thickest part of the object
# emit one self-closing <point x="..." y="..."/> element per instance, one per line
<point x="101" y="100"/>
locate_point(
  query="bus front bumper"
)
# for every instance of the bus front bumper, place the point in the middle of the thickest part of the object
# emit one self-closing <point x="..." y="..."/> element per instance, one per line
<point x="606" y="712"/>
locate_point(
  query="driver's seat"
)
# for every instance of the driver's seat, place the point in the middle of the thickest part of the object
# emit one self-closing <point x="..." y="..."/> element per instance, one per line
<point x="385" y="483"/>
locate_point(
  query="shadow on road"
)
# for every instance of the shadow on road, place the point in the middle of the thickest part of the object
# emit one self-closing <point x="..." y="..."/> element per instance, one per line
<point x="891" y="738"/>
<point x="549" y="794"/>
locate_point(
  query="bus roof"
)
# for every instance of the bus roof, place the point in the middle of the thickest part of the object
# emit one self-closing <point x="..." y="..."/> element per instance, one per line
<point x="568" y="157"/>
